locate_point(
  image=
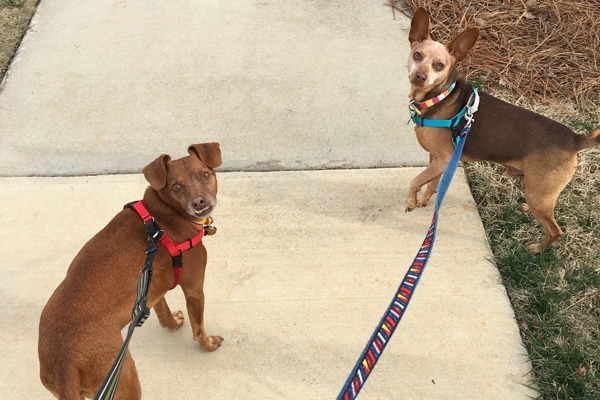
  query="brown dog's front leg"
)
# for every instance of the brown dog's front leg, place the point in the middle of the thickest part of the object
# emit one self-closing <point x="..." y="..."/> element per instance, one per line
<point x="166" y="318"/>
<point x="430" y="177"/>
<point x="195" y="308"/>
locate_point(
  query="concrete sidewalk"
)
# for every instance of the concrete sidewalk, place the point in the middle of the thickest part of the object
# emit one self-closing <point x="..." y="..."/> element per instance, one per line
<point x="300" y="272"/>
<point x="306" y="260"/>
<point x="282" y="85"/>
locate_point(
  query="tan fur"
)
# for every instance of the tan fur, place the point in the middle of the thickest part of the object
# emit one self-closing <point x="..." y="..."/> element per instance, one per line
<point x="527" y="144"/>
<point x="80" y="327"/>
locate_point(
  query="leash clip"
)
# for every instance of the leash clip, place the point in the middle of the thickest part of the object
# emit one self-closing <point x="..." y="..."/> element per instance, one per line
<point x="472" y="107"/>
<point x="412" y="107"/>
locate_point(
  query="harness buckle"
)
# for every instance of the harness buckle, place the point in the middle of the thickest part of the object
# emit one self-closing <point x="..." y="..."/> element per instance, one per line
<point x="152" y="230"/>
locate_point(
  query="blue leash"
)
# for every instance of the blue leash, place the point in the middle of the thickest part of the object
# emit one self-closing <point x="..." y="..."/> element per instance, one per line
<point x="393" y="314"/>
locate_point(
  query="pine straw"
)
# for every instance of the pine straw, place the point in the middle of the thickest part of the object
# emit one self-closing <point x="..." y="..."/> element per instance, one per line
<point x="544" y="50"/>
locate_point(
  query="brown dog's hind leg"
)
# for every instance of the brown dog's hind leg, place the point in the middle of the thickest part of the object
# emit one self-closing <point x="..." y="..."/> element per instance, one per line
<point x="166" y="318"/>
<point x="542" y="188"/>
<point x="129" y="383"/>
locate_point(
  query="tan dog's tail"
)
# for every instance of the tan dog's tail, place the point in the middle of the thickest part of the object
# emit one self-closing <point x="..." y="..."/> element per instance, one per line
<point x="593" y="138"/>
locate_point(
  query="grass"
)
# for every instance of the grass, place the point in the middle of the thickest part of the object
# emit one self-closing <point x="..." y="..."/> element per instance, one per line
<point x="14" y="21"/>
<point x="555" y="295"/>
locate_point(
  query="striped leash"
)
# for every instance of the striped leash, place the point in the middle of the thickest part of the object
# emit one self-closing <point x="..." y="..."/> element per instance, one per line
<point x="393" y="314"/>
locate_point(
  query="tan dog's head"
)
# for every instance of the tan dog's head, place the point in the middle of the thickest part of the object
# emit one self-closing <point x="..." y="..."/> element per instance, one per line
<point x="431" y="65"/>
<point x="188" y="184"/>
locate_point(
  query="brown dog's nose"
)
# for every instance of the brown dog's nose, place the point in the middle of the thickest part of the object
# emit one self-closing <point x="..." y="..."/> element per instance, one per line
<point x="421" y="77"/>
<point x="199" y="202"/>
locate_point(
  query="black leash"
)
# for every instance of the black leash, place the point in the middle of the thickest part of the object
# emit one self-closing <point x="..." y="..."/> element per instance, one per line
<point x="139" y="314"/>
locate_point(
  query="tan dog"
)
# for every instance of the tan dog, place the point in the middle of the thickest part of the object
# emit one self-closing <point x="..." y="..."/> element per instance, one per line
<point x="526" y="143"/>
<point x="80" y="327"/>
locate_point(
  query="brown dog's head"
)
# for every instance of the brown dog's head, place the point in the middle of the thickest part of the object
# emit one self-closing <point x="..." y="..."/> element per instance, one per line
<point x="431" y="65"/>
<point x="188" y="184"/>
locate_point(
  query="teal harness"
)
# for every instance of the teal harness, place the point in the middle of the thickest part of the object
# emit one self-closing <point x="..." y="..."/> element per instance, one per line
<point x="466" y="112"/>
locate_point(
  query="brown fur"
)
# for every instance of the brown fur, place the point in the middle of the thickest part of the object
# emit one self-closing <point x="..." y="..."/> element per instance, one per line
<point x="80" y="327"/>
<point x="542" y="150"/>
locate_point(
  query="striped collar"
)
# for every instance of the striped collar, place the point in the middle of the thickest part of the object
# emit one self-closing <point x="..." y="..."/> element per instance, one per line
<point x="419" y="105"/>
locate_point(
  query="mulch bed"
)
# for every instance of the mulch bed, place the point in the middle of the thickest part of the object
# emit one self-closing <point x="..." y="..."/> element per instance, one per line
<point x="543" y="50"/>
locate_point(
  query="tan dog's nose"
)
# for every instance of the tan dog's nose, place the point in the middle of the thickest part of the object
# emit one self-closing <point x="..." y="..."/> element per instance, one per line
<point x="420" y="77"/>
<point x="199" y="203"/>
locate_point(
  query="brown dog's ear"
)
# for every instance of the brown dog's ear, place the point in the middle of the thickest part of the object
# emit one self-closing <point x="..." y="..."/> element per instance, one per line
<point x="208" y="153"/>
<point x="156" y="171"/>
<point x="464" y="42"/>
<point x="419" y="27"/>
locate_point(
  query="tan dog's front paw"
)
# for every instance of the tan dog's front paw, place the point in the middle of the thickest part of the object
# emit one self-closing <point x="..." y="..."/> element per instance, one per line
<point x="423" y="202"/>
<point x="535" y="248"/>
<point x="173" y="323"/>
<point x="209" y="343"/>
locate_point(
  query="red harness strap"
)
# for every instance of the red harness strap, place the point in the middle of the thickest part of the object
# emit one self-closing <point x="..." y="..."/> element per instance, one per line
<point x="155" y="233"/>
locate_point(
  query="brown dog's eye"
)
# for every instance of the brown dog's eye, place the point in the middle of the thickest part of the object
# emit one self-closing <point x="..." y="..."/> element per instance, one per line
<point x="206" y="174"/>
<point x="176" y="187"/>
<point x="417" y="55"/>
<point x="438" y="66"/>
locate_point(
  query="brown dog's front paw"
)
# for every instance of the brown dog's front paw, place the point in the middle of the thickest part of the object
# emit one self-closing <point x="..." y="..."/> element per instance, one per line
<point x="173" y="323"/>
<point x="210" y="343"/>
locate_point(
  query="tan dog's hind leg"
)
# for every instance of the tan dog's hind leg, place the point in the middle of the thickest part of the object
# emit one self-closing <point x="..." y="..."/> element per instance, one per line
<point x="166" y="318"/>
<point x="430" y="177"/>
<point x="542" y="188"/>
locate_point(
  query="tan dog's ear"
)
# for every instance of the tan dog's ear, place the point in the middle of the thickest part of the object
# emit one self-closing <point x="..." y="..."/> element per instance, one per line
<point x="156" y="171"/>
<point x="208" y="153"/>
<point x="464" y="42"/>
<point x="419" y="27"/>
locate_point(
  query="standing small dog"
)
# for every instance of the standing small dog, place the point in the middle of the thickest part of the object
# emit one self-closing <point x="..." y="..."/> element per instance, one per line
<point x="542" y="150"/>
<point x="80" y="327"/>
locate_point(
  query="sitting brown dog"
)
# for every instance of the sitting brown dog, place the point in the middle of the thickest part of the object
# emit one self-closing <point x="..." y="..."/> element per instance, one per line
<point x="80" y="327"/>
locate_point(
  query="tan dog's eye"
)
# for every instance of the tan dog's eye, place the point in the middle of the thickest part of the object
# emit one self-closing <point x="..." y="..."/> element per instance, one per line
<point x="176" y="187"/>
<point x="438" y="66"/>
<point x="417" y="55"/>
<point x="206" y="175"/>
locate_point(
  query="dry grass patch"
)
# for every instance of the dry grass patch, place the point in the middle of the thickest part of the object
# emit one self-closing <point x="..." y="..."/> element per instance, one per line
<point x="14" y="21"/>
<point x="544" y="50"/>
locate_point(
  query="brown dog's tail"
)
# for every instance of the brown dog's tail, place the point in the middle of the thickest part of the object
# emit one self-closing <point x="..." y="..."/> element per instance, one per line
<point x="595" y="133"/>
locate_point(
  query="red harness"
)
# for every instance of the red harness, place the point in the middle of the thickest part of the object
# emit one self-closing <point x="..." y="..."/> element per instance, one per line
<point x="155" y="233"/>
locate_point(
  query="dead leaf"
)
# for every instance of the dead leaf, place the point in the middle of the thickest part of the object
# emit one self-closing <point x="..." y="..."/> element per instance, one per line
<point x="581" y="372"/>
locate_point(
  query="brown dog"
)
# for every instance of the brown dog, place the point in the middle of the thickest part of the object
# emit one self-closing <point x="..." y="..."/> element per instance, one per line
<point x="526" y="143"/>
<point x="80" y="327"/>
